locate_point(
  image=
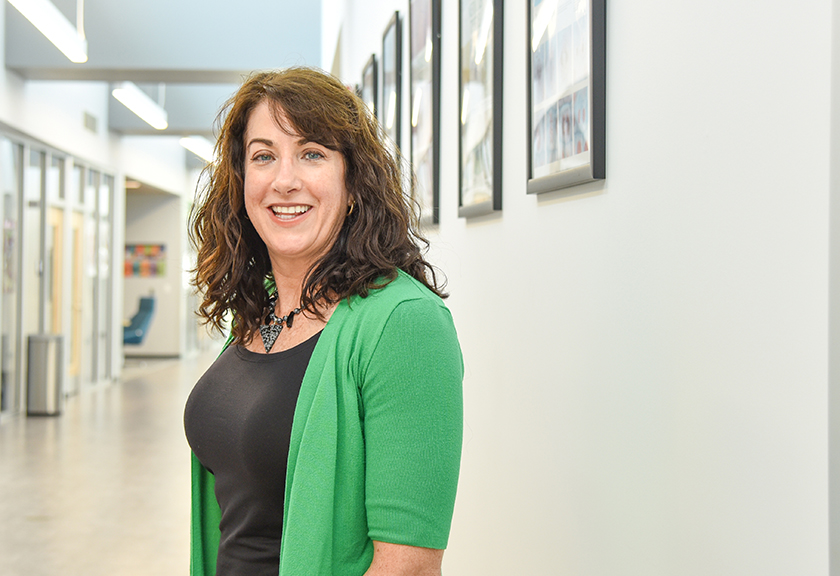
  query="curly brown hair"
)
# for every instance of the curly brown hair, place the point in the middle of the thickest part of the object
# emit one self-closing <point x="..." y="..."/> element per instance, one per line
<point x="379" y="237"/>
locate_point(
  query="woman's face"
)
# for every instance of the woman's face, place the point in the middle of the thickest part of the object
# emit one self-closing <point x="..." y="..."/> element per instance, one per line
<point x="294" y="191"/>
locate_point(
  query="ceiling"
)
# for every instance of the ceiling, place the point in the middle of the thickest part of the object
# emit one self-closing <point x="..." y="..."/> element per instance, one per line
<point x="188" y="54"/>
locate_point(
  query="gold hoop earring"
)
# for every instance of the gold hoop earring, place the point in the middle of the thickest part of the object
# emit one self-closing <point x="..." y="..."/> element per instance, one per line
<point x="353" y="205"/>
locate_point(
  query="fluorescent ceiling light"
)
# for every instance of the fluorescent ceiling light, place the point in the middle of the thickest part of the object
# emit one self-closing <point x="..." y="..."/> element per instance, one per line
<point x="200" y="146"/>
<point x="139" y="102"/>
<point x="51" y="23"/>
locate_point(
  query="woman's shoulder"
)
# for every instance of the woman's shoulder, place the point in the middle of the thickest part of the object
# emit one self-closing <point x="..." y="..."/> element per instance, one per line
<point x="403" y="288"/>
<point x="401" y="292"/>
<point x="403" y="310"/>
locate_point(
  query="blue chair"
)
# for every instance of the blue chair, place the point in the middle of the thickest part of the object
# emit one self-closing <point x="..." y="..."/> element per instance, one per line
<point x="136" y="330"/>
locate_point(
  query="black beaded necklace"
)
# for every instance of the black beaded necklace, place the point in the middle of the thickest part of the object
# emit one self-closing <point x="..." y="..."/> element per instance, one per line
<point x="273" y="325"/>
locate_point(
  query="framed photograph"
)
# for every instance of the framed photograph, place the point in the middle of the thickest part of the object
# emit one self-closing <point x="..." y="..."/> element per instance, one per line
<point x="480" y="142"/>
<point x="392" y="81"/>
<point x="567" y="93"/>
<point x="369" y="85"/>
<point x="424" y="42"/>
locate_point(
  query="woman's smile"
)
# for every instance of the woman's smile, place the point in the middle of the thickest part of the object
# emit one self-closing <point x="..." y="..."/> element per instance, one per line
<point x="290" y="212"/>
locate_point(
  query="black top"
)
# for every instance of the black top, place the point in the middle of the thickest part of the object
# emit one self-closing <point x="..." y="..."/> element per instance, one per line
<point x="238" y="420"/>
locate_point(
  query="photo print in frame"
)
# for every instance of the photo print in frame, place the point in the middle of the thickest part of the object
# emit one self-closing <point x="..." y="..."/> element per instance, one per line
<point x="370" y="85"/>
<point x="567" y="93"/>
<point x="424" y="81"/>
<point x="392" y="82"/>
<point x="480" y="89"/>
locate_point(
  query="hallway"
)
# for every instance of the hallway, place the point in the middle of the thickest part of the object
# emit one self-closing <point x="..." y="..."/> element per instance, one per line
<point x="104" y="488"/>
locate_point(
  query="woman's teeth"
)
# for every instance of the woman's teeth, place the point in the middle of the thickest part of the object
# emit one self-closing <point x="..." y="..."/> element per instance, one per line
<point x="289" y="212"/>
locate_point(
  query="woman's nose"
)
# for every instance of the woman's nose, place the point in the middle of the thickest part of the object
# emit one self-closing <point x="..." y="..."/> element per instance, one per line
<point x="286" y="177"/>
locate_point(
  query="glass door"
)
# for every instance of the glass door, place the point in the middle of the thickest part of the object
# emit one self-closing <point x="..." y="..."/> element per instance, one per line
<point x="90" y="287"/>
<point x="104" y="241"/>
<point x="11" y="171"/>
<point x="76" y="280"/>
<point x="56" y="268"/>
<point x="33" y="185"/>
<point x="54" y="247"/>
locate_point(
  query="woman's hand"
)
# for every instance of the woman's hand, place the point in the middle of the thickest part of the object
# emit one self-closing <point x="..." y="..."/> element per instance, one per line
<point x="402" y="560"/>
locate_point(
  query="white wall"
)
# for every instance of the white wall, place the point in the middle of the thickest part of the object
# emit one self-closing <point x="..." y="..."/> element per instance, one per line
<point x="646" y="382"/>
<point x="53" y="112"/>
<point x="332" y="13"/>
<point x="159" y="161"/>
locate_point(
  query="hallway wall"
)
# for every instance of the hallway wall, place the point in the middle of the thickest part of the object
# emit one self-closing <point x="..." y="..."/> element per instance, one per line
<point x="646" y="357"/>
<point x="53" y="113"/>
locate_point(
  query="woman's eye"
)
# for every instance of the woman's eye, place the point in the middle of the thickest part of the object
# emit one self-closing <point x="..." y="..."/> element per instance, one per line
<point x="262" y="158"/>
<point x="313" y="155"/>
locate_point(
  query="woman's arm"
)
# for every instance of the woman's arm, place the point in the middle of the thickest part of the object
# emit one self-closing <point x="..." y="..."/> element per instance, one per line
<point x="401" y="560"/>
<point x="413" y="424"/>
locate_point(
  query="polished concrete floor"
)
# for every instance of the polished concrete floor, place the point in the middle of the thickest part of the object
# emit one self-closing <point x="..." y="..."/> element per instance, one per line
<point x="102" y="489"/>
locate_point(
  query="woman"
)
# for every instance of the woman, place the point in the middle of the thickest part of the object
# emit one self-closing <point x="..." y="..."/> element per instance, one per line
<point x="326" y="437"/>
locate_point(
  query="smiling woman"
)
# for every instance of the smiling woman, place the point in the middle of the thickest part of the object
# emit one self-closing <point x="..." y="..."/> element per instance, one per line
<point x="326" y="437"/>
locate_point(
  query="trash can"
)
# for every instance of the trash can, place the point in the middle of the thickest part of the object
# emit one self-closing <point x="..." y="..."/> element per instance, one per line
<point x="45" y="389"/>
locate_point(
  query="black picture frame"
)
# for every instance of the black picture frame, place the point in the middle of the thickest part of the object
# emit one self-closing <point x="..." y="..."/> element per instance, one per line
<point x="391" y="117"/>
<point x="424" y="18"/>
<point x="370" y="84"/>
<point x="480" y="41"/>
<point x="566" y="94"/>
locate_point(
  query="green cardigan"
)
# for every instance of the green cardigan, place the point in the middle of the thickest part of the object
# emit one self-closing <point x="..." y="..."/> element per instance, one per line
<point x="376" y="440"/>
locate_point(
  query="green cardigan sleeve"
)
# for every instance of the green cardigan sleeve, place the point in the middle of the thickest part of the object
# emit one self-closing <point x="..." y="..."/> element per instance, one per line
<point x="204" y="522"/>
<point x="412" y="402"/>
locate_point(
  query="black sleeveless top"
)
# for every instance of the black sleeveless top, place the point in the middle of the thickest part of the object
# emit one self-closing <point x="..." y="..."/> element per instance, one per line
<point x="238" y="420"/>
